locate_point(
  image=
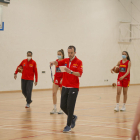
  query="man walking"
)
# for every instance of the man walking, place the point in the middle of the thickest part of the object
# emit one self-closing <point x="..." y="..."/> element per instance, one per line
<point x="29" y="70"/>
<point x="70" y="85"/>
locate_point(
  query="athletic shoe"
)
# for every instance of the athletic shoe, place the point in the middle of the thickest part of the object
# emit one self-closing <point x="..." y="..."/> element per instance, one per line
<point x="74" y="121"/>
<point x="27" y="106"/>
<point x="60" y="112"/>
<point x="53" y="111"/>
<point x="66" y="129"/>
<point x="123" y="109"/>
<point x="116" y="109"/>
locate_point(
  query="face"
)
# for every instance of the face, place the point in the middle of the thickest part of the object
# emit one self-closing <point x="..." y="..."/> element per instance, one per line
<point x="124" y="53"/>
<point x="71" y="53"/>
<point x="29" y="55"/>
<point x="60" y="54"/>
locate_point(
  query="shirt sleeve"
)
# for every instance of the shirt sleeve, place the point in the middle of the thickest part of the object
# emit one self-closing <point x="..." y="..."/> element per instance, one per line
<point x="36" y="72"/>
<point x="18" y="66"/>
<point x="80" y="68"/>
<point x="61" y="62"/>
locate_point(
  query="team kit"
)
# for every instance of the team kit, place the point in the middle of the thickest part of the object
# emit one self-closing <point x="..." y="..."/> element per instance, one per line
<point x="66" y="78"/>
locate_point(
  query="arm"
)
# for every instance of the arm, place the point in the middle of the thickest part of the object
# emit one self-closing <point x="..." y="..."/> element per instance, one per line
<point x="135" y="131"/>
<point x="118" y="64"/>
<point x="79" y="71"/>
<point x="53" y="63"/>
<point x="15" y="74"/>
<point x="58" y="63"/>
<point x="128" y="70"/>
<point x="17" y="67"/>
<point x="36" y="73"/>
<point x="76" y="74"/>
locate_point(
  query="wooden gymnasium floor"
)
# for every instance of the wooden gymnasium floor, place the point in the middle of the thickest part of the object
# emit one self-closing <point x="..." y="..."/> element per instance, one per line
<point x="97" y="120"/>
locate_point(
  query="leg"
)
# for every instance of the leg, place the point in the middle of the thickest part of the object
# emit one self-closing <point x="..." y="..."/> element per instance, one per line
<point x="72" y="96"/>
<point x="29" y="88"/>
<point x="119" y="89"/>
<point x="64" y="98"/>
<point x="125" y="89"/>
<point x="60" y="111"/>
<point x="55" y="89"/>
<point x="23" y="87"/>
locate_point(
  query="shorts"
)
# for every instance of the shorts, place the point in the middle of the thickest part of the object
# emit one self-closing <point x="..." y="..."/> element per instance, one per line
<point x="123" y="83"/>
<point x="57" y="81"/>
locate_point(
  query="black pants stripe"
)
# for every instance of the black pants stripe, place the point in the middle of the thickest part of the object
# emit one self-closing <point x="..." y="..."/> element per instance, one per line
<point x="27" y="86"/>
<point x="68" y="100"/>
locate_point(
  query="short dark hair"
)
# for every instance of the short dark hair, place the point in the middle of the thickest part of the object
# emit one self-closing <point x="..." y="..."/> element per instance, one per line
<point x="70" y="47"/>
<point x="30" y="52"/>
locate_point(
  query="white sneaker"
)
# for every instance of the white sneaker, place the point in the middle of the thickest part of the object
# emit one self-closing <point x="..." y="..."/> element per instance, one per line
<point x="116" y="109"/>
<point x="53" y="111"/>
<point x="60" y="112"/>
<point x="27" y="106"/>
<point x="123" y="109"/>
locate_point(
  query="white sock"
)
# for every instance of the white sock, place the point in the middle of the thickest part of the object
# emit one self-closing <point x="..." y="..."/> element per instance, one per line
<point x="117" y="105"/>
<point x="124" y="105"/>
<point x="54" y="106"/>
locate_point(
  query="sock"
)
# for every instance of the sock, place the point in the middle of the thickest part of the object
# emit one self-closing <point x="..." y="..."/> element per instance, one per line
<point x="117" y="105"/>
<point x="124" y="105"/>
<point x="54" y="106"/>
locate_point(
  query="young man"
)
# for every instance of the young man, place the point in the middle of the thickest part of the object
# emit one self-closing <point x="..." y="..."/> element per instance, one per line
<point x="29" y="69"/>
<point x="70" y="85"/>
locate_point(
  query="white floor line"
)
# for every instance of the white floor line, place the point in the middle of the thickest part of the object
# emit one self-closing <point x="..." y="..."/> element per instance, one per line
<point x="65" y="134"/>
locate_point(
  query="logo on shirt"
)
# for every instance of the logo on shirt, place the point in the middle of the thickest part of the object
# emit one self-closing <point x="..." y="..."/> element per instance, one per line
<point x="75" y="65"/>
<point x="56" y="81"/>
<point x="31" y="65"/>
<point x="122" y="65"/>
<point x="122" y="69"/>
<point x="24" y="64"/>
<point x="58" y="69"/>
<point x="65" y="64"/>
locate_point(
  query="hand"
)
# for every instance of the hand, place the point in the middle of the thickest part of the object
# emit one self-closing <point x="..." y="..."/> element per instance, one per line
<point x="67" y="70"/>
<point x="121" y="78"/>
<point x="51" y="64"/>
<point x="135" y="134"/>
<point x="112" y="71"/>
<point x="15" y="76"/>
<point x="35" y="83"/>
<point x="61" y="81"/>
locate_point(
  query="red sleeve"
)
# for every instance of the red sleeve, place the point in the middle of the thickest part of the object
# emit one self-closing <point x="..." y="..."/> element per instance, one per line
<point x="80" y="68"/>
<point x="35" y="71"/>
<point x="18" y="66"/>
<point x="61" y="62"/>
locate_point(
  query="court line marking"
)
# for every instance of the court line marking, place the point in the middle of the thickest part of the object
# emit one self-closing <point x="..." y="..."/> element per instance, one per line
<point x="57" y="120"/>
<point x="63" y="133"/>
<point x="77" y="124"/>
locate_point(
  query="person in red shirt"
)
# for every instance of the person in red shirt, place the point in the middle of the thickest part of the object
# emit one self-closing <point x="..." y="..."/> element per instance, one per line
<point x="70" y="85"/>
<point x="123" y="79"/>
<point x="27" y="79"/>
<point x="57" y="82"/>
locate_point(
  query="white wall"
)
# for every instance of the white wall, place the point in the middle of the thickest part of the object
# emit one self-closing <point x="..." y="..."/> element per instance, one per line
<point x="45" y="26"/>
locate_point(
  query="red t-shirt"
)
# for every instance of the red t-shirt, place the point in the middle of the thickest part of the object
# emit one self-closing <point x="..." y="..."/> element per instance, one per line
<point x="123" y="69"/>
<point x="58" y="73"/>
<point x="70" y="80"/>
<point x="29" y="69"/>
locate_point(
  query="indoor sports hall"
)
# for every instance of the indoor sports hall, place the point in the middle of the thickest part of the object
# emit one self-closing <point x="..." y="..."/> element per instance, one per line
<point x="100" y="44"/>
